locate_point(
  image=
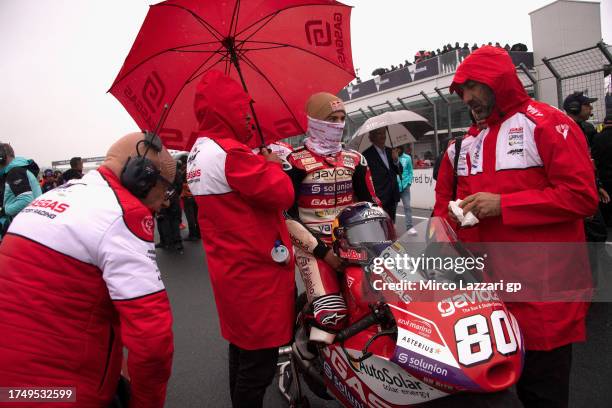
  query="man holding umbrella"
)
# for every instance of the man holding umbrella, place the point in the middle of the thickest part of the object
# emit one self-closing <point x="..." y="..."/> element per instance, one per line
<point x="385" y="166"/>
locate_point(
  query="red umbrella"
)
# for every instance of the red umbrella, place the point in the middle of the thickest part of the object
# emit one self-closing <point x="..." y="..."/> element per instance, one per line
<point x="282" y="51"/>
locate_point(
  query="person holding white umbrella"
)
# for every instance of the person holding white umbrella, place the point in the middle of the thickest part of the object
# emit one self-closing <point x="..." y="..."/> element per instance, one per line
<point x="385" y="132"/>
<point x="385" y="167"/>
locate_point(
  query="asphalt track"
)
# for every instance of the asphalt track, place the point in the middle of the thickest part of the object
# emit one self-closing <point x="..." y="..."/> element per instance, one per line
<point x="200" y="379"/>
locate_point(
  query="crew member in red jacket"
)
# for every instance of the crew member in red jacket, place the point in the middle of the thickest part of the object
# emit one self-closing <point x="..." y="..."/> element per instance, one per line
<point x="241" y="197"/>
<point x="531" y="181"/>
<point x="79" y="281"/>
<point x="446" y="179"/>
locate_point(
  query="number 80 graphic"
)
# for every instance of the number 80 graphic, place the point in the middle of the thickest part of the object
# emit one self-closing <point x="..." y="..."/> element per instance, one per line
<point x="474" y="344"/>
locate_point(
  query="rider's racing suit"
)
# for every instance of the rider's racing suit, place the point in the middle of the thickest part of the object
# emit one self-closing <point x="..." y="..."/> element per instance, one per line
<point x="324" y="185"/>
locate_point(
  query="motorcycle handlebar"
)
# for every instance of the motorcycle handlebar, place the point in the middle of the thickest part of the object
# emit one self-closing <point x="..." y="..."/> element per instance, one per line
<point x="357" y="327"/>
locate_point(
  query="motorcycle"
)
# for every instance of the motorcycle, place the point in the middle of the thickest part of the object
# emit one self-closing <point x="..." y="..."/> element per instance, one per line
<point x="405" y="343"/>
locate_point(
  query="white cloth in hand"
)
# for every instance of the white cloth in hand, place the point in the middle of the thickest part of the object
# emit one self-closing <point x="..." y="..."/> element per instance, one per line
<point x="466" y="220"/>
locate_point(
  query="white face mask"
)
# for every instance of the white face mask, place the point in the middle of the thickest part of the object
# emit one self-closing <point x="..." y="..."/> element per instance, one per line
<point x="324" y="137"/>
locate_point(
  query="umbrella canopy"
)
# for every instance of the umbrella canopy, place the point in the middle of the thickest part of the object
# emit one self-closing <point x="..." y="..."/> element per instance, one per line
<point x="282" y="51"/>
<point x="403" y="127"/>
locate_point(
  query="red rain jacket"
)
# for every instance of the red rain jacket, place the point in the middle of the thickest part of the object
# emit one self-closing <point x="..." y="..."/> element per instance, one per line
<point x="241" y="197"/>
<point x="444" y="184"/>
<point x="536" y="157"/>
<point x="78" y="282"/>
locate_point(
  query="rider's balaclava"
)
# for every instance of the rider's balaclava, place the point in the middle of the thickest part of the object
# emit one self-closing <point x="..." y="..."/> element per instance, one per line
<point x="324" y="137"/>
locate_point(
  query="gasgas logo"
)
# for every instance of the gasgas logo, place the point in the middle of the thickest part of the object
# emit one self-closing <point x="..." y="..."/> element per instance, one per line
<point x="319" y="34"/>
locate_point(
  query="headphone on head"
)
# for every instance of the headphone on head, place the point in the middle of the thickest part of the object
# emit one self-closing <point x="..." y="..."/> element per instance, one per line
<point x="574" y="107"/>
<point x="139" y="174"/>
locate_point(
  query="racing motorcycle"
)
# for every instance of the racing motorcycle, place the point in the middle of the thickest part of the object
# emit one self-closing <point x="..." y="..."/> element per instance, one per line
<point x="404" y="343"/>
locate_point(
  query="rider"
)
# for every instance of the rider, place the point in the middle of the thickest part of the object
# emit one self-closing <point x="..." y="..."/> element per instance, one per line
<point x="326" y="179"/>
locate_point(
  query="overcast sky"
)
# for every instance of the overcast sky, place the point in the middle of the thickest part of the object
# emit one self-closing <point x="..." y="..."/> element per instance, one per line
<point x="59" y="57"/>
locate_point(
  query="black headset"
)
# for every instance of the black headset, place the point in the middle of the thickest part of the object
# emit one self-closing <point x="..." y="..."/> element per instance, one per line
<point x="574" y="107"/>
<point x="139" y="175"/>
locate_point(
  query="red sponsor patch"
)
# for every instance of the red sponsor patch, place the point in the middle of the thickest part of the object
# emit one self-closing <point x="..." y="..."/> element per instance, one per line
<point x="148" y="224"/>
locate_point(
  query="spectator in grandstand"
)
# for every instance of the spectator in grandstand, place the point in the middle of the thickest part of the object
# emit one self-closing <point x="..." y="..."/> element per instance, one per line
<point x="519" y="47"/>
<point x="602" y="155"/>
<point x="529" y="145"/>
<point x="75" y="171"/>
<point x="20" y="181"/>
<point x="507" y="47"/>
<point x="49" y="182"/>
<point x="578" y="107"/>
<point x="474" y="47"/>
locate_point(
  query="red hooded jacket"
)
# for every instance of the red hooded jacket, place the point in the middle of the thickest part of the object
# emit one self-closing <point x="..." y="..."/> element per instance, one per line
<point x="445" y="180"/>
<point x="241" y="197"/>
<point x="536" y="157"/>
<point x="78" y="282"/>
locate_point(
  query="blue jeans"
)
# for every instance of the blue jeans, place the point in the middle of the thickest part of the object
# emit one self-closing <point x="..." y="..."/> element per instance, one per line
<point x="407" y="209"/>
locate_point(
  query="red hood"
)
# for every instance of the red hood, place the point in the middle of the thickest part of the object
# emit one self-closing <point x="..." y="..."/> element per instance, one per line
<point x="493" y="66"/>
<point x="221" y="107"/>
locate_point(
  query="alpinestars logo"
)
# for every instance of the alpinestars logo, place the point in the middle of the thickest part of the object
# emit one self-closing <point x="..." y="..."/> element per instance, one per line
<point x="563" y="129"/>
<point x="332" y="319"/>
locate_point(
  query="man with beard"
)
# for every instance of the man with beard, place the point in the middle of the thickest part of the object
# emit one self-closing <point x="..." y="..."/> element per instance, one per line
<point x="531" y="180"/>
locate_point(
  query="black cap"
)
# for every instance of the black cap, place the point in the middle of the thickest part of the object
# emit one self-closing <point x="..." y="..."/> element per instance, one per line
<point x="577" y="97"/>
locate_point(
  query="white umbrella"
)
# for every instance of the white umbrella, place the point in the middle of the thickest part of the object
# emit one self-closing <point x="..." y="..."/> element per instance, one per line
<point x="403" y="127"/>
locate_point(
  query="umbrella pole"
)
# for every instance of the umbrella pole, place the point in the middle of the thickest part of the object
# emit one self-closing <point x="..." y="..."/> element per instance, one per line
<point x="229" y="43"/>
<point x="389" y="136"/>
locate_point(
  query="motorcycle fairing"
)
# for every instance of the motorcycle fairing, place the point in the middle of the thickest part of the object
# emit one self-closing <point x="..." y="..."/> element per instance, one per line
<point x="376" y="382"/>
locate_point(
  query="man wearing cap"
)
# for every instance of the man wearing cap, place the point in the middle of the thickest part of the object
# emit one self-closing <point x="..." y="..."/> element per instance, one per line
<point x="326" y="178"/>
<point x="578" y="107"/>
<point x="530" y="181"/>
<point x="79" y="282"/>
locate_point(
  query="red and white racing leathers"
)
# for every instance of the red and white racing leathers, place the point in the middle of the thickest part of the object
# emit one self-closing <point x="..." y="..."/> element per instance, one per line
<point x="78" y="281"/>
<point x="324" y="186"/>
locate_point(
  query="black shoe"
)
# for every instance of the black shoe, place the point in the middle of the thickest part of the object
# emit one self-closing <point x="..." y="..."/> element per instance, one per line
<point x="161" y="245"/>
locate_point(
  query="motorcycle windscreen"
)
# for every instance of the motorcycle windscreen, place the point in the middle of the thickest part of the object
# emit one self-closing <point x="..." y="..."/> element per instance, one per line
<point x="454" y="333"/>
